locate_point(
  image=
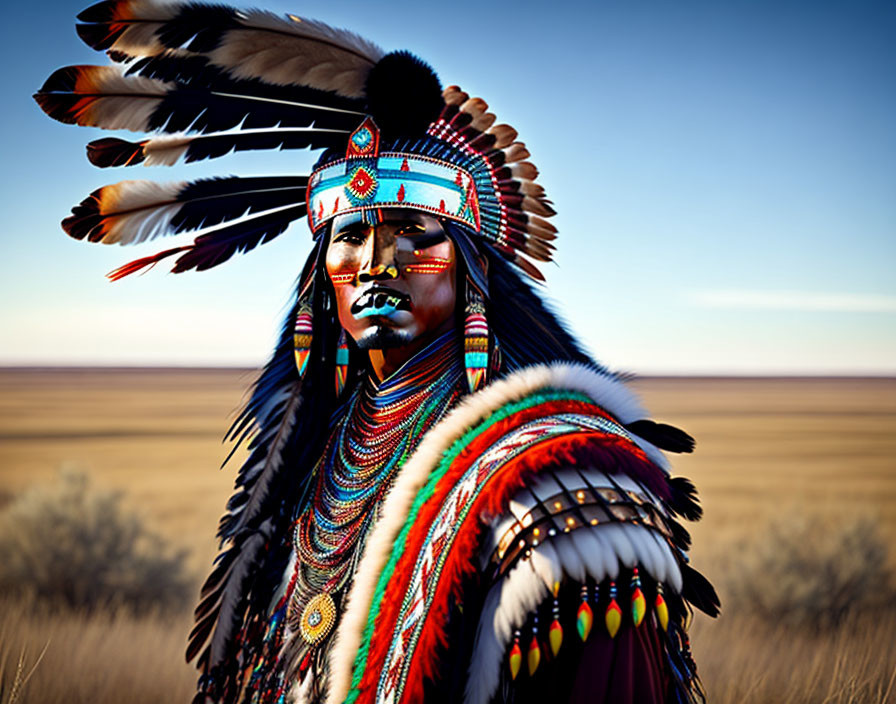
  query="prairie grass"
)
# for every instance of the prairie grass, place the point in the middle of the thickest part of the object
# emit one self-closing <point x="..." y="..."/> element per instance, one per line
<point x="94" y="658"/>
<point x="742" y="658"/>
<point x="779" y="462"/>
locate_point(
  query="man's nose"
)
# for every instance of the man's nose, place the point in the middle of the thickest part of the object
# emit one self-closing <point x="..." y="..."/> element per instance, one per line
<point x="378" y="263"/>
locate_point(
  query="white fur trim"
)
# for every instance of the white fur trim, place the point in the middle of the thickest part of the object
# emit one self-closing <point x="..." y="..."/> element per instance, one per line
<point x="608" y="392"/>
<point x="597" y="550"/>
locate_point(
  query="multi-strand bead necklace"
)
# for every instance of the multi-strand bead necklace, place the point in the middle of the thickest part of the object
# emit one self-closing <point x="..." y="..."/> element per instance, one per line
<point x="380" y="428"/>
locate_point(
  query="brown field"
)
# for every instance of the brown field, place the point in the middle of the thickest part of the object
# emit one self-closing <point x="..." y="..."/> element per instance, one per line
<point x="772" y="453"/>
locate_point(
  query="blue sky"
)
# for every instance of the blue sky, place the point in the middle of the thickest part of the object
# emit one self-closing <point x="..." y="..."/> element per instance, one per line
<point x="724" y="175"/>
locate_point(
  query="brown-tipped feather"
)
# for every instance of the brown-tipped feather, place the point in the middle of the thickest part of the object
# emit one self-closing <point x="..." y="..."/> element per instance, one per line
<point x="504" y="136"/>
<point x="111" y="10"/>
<point x="475" y="107"/>
<point x="100" y="96"/>
<point x="483" y="121"/>
<point x="528" y="267"/>
<point x="515" y="152"/>
<point x="111" y="151"/>
<point x="539" y="207"/>
<point x="523" y="170"/>
<point x="453" y="95"/>
<point x="541" y="224"/>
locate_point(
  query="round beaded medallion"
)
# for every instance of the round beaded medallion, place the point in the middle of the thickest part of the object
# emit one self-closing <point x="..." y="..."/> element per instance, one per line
<point x="318" y="618"/>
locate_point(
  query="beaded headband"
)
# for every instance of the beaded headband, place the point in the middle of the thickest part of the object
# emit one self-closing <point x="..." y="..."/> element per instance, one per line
<point x="367" y="180"/>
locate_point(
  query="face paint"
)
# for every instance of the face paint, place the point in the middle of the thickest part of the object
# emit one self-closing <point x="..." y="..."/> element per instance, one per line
<point x="394" y="277"/>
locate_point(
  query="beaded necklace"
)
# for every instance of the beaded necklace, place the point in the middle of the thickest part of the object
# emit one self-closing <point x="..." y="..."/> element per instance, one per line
<point x="379" y="429"/>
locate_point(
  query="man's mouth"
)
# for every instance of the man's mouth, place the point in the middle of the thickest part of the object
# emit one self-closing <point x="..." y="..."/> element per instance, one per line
<point x="379" y="301"/>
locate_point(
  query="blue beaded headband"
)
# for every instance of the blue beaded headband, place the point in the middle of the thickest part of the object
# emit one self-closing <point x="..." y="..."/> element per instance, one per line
<point x="366" y="179"/>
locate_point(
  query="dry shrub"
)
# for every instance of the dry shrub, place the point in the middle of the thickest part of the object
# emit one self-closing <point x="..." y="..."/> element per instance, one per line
<point x="812" y="575"/>
<point x="70" y="545"/>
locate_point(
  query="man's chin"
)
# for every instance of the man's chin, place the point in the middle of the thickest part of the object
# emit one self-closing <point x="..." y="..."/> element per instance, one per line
<point x="382" y="338"/>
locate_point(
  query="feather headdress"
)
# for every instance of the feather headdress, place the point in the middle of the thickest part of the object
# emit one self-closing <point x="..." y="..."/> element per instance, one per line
<point x="201" y="81"/>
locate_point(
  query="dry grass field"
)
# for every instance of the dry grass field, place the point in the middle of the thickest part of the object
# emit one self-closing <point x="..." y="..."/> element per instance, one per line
<point x="779" y="461"/>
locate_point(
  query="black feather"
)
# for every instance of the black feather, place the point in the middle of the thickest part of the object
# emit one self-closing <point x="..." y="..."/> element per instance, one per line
<point x="404" y="95"/>
<point x="211" y="201"/>
<point x="665" y="437"/>
<point x="197" y="108"/>
<point x="217" y="247"/>
<point x="197" y="72"/>
<point x="680" y="536"/>
<point x="699" y="592"/>
<point x="683" y="499"/>
<point x="185" y="109"/>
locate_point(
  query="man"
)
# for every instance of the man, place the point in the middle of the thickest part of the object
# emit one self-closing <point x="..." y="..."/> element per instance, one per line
<point x="446" y="498"/>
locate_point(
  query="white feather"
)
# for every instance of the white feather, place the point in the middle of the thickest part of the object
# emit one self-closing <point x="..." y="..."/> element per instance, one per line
<point x="569" y="558"/>
<point x="165" y="151"/>
<point x="134" y="98"/>
<point x="593" y="554"/>
<point x="673" y="572"/>
<point x="507" y="607"/>
<point x="607" y="553"/>
<point x="640" y="539"/>
<point x="138" y="210"/>
<point x="620" y="543"/>
<point x="297" y="51"/>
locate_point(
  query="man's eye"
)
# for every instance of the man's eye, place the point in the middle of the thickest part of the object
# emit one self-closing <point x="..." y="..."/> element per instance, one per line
<point x="350" y="237"/>
<point x="410" y="229"/>
<point x="422" y="240"/>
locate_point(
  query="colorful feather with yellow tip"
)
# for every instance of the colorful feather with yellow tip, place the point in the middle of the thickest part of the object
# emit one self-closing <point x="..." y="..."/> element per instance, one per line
<point x="662" y="610"/>
<point x="534" y="656"/>
<point x="584" y="620"/>
<point x="516" y="659"/>
<point x="613" y="614"/>
<point x="555" y="636"/>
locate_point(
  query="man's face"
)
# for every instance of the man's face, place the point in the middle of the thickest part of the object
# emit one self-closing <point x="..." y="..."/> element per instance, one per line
<point x="395" y="280"/>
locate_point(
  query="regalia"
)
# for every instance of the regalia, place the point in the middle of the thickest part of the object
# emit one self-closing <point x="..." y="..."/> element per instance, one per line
<point x="493" y="521"/>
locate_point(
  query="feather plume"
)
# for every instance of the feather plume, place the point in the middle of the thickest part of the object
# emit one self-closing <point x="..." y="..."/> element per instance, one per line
<point x="665" y="437"/>
<point x="166" y="150"/>
<point x="102" y="96"/>
<point x="247" y="44"/>
<point x="699" y="592"/>
<point x="135" y="211"/>
<point x="297" y="51"/>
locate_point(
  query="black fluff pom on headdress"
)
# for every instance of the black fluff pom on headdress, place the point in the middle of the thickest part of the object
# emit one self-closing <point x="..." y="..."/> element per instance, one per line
<point x="404" y="95"/>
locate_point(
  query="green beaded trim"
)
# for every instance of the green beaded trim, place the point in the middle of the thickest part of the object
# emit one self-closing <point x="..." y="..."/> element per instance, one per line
<point x="423" y="495"/>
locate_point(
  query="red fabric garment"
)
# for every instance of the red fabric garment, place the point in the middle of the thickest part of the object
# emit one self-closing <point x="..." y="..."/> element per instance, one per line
<point x="627" y="669"/>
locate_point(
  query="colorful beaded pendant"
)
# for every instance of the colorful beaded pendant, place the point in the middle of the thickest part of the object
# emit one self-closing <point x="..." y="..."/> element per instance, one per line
<point x="475" y="339"/>
<point x="341" y="363"/>
<point x="516" y="656"/>
<point x="613" y="614"/>
<point x="639" y="604"/>
<point x="318" y="618"/>
<point x="584" y="616"/>
<point x="555" y="631"/>
<point x="534" y="656"/>
<point x="662" y="611"/>
<point x="302" y="336"/>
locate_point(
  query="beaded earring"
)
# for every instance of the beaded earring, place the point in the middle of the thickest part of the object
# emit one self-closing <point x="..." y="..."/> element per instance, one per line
<point x="476" y="335"/>
<point x="302" y="334"/>
<point x="341" y="362"/>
